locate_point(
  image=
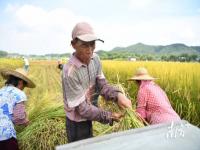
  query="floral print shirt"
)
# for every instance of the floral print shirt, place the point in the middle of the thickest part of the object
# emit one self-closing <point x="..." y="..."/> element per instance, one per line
<point x="10" y="96"/>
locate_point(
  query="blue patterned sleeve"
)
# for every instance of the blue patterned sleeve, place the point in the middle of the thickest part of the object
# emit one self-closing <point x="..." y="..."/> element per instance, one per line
<point x="20" y="97"/>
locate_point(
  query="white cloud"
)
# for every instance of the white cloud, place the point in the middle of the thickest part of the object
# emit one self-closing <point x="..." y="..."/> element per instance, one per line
<point x="37" y="31"/>
<point x="31" y="16"/>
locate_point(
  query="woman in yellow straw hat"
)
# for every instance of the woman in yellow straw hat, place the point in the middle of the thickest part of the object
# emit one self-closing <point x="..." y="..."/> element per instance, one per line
<point x="152" y="102"/>
<point x="12" y="107"/>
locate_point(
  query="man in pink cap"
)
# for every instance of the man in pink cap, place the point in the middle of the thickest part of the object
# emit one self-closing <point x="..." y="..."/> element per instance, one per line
<point x="83" y="81"/>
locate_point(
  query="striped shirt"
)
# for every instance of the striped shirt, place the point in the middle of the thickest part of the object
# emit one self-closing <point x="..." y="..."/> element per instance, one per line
<point x="77" y="80"/>
<point x="153" y="104"/>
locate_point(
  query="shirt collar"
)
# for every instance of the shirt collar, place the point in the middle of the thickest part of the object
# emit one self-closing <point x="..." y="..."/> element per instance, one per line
<point x="74" y="60"/>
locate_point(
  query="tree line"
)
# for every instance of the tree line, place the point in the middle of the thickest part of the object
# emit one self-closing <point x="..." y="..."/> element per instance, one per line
<point x="127" y="56"/>
<point x="150" y="57"/>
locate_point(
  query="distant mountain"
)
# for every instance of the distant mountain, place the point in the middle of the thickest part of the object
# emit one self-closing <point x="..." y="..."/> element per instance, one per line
<point x="139" y="50"/>
<point x="196" y="47"/>
<point x="173" y="49"/>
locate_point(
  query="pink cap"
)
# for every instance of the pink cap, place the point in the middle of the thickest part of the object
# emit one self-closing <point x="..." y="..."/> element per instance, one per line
<point x="84" y="32"/>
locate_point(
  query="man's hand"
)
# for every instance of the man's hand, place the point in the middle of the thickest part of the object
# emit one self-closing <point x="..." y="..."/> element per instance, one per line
<point x="123" y="101"/>
<point x="116" y="116"/>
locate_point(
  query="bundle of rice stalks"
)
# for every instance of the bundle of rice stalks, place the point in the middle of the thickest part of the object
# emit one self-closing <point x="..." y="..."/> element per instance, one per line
<point x="110" y="105"/>
<point x="99" y="128"/>
<point x="44" y="131"/>
<point x="129" y="120"/>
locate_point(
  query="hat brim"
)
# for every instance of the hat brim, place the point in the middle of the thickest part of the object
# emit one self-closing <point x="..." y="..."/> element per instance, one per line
<point x="142" y="77"/>
<point x="7" y="72"/>
<point x="89" y="38"/>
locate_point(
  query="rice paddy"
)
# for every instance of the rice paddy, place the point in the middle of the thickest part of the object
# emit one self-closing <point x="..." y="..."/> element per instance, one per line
<point x="45" y="103"/>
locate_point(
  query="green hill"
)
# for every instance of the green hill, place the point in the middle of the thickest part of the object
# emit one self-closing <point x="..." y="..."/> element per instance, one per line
<point x="173" y="49"/>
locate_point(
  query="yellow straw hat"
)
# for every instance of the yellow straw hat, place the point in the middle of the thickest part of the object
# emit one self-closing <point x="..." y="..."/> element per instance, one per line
<point x="142" y="74"/>
<point x="20" y="73"/>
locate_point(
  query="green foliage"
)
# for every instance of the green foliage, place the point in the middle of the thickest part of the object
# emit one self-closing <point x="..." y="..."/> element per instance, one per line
<point x="3" y="53"/>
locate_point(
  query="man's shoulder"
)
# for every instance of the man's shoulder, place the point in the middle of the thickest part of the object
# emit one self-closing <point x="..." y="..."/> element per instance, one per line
<point x="96" y="58"/>
<point x="69" y="69"/>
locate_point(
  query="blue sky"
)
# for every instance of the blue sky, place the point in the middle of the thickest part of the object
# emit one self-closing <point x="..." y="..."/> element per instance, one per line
<point x="44" y="26"/>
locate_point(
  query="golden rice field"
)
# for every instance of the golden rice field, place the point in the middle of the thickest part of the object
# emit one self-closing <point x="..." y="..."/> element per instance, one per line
<point x="45" y="107"/>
